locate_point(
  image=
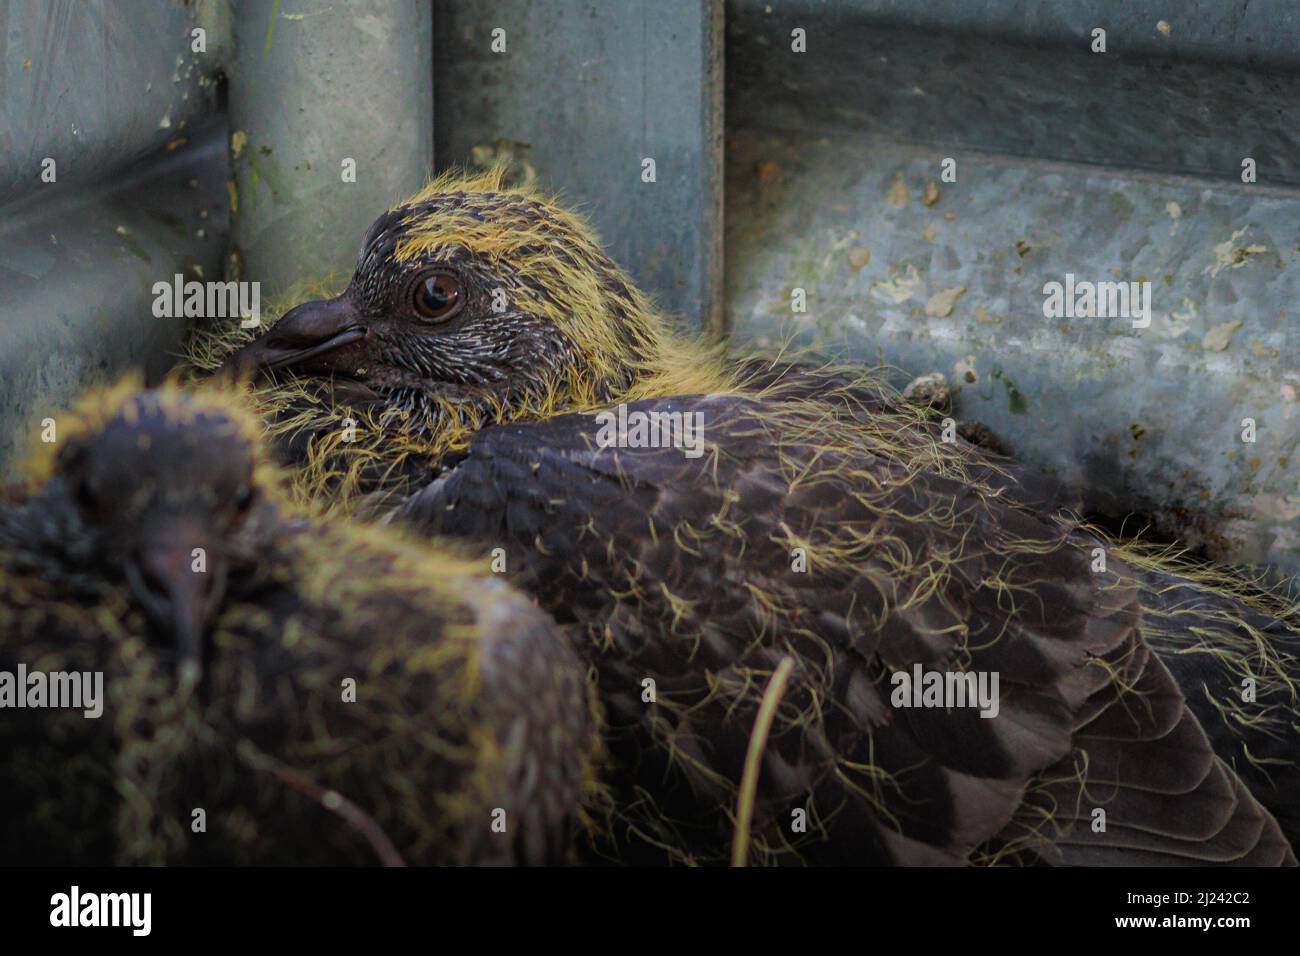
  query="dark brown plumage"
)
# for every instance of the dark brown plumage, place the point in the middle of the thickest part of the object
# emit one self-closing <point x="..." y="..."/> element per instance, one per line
<point x="359" y="699"/>
<point x="680" y="570"/>
<point x="1121" y="734"/>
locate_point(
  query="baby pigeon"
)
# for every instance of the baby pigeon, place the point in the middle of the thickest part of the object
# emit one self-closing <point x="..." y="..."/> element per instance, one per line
<point x="271" y="689"/>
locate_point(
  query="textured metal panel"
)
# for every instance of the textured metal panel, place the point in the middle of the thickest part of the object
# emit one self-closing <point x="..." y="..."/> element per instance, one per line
<point x="93" y="88"/>
<point x="312" y="84"/>
<point x="1138" y="419"/>
<point x="76" y="280"/>
<point x="1018" y="76"/>
<point x="584" y="92"/>
<point x="1117" y="166"/>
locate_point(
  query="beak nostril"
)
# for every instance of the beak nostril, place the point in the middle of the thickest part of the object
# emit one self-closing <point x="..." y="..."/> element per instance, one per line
<point x="155" y="586"/>
<point x="154" y="593"/>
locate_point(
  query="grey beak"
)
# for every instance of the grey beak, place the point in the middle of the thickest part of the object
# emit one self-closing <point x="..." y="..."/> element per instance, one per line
<point x="315" y="336"/>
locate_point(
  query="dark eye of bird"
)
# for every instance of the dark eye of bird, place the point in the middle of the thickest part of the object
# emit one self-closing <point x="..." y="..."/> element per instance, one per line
<point x="438" y="296"/>
<point x="87" y="500"/>
<point x="72" y="461"/>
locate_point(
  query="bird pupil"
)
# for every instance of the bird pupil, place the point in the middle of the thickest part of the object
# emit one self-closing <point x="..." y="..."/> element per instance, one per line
<point x="434" y="294"/>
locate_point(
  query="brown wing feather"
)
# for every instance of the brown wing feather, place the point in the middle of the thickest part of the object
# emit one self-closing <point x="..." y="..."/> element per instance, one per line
<point x="680" y="570"/>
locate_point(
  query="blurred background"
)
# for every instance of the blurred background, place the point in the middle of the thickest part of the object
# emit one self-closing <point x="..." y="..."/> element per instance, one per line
<point x="909" y="172"/>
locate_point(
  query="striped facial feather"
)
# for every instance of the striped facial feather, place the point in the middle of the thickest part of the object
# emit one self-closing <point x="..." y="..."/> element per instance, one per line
<point x="520" y="266"/>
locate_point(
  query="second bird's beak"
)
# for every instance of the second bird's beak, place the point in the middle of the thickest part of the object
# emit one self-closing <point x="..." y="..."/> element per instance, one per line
<point x="180" y="582"/>
<point x="315" y="336"/>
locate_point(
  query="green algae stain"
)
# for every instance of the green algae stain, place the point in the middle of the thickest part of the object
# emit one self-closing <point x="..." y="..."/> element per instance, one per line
<point x="1015" y="399"/>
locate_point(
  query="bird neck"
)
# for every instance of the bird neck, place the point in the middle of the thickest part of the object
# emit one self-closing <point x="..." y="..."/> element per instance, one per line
<point x="648" y="359"/>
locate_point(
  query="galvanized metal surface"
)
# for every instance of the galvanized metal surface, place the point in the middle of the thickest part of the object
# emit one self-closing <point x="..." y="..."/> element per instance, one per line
<point x="93" y="88"/>
<point x="77" y="276"/>
<point x="1118" y="166"/>
<point x="584" y="92"/>
<point x="1019" y="77"/>
<point x="1140" y="420"/>
<point x="314" y="85"/>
